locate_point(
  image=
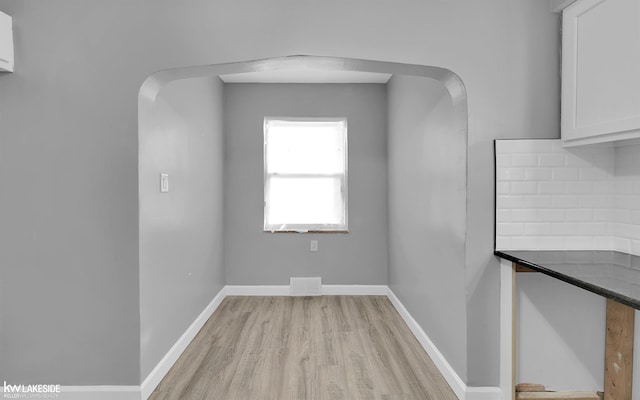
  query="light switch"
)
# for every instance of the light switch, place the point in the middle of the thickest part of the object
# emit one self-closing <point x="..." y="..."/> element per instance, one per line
<point x="314" y="245"/>
<point x="164" y="183"/>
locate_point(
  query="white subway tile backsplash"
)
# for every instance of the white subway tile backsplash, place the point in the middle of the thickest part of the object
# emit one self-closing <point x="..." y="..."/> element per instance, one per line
<point x="539" y="145"/>
<point x="537" y="174"/>
<point x="593" y="228"/>
<point x="603" y="187"/>
<point x="549" y="197"/>
<point x="627" y="230"/>
<point x="577" y="229"/>
<point x="635" y="217"/>
<point x="502" y="187"/>
<point x="563" y="229"/>
<point x="503" y="160"/>
<point x="621" y="244"/>
<point x="523" y="201"/>
<point x="621" y="216"/>
<point x="510" y="146"/>
<point x="592" y="174"/>
<point x="537" y="201"/>
<point x="625" y="164"/>
<point x="551" y="215"/>
<point x="602" y="215"/>
<point x="564" y="174"/>
<point x="603" y="242"/>
<point x="503" y="242"/>
<point x="510" y="174"/>
<point x="596" y="201"/>
<point x="578" y="214"/>
<point x="524" y="215"/>
<point x="627" y="202"/>
<point x="536" y="228"/>
<point x="524" y="242"/>
<point x="550" y="187"/>
<point x="579" y="242"/>
<point x="524" y="188"/>
<point x="524" y="160"/>
<point x="606" y="161"/>
<point x="503" y="215"/>
<point x="565" y="201"/>
<point x="516" y="174"/>
<point x="582" y="159"/>
<point x="552" y="160"/>
<point x="551" y="242"/>
<point x="623" y="186"/>
<point x="510" y="229"/>
<point x="578" y="187"/>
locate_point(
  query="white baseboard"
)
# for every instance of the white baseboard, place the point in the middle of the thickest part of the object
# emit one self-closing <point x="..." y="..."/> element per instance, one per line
<point x="327" y="290"/>
<point x="462" y="391"/>
<point x="257" y="290"/>
<point x="99" y="393"/>
<point x="355" y="290"/>
<point x="483" y="393"/>
<point x="176" y="350"/>
<point x="450" y="375"/>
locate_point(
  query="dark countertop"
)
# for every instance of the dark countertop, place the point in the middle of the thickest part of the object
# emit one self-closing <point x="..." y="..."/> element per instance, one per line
<point x="611" y="274"/>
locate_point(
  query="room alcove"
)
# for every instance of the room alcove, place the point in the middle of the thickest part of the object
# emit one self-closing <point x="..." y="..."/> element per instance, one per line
<point x="173" y="237"/>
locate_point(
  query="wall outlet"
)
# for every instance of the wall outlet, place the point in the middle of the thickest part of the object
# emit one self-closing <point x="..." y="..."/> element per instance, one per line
<point x="314" y="245"/>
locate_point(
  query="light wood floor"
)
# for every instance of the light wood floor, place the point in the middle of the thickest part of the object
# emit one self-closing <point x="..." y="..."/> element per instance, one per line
<point x="304" y="348"/>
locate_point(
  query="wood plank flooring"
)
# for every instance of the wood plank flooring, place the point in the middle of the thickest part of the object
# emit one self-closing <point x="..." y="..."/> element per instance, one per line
<point x="304" y="348"/>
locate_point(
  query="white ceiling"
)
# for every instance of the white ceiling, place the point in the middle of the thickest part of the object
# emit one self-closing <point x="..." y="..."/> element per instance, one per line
<point x="306" y="75"/>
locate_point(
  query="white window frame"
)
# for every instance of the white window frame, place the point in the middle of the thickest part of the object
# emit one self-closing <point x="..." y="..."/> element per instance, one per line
<point x="307" y="228"/>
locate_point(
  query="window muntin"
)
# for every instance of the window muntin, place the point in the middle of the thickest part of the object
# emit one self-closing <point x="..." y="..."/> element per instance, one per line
<point x="305" y="174"/>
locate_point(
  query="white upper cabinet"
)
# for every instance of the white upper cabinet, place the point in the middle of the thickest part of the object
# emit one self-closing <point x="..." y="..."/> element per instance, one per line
<point x="6" y="43"/>
<point x="600" y="71"/>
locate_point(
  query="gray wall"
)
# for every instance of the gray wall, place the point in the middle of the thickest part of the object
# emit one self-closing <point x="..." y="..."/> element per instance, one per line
<point x="514" y="92"/>
<point x="253" y="257"/>
<point x="71" y="243"/>
<point x="181" y="232"/>
<point x="68" y="201"/>
<point x="427" y="211"/>
<point x="561" y="334"/>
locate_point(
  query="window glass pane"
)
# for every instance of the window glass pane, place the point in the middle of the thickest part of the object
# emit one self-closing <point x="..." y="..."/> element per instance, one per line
<point x="305" y="201"/>
<point x="305" y="174"/>
<point x="303" y="147"/>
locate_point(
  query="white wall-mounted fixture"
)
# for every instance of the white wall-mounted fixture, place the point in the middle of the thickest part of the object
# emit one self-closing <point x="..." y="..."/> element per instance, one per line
<point x="164" y="183"/>
<point x="6" y="43"/>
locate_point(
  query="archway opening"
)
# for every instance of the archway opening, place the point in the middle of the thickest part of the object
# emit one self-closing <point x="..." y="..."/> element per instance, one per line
<point x="193" y="238"/>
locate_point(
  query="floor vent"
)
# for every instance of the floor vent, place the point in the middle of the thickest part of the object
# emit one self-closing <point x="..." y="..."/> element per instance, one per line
<point x="306" y="286"/>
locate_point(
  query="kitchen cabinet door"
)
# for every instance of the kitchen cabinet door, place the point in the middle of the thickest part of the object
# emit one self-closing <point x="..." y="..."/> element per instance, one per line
<point x="6" y="42"/>
<point x="600" y="71"/>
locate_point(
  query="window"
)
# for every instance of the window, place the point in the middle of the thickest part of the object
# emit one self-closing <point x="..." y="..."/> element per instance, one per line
<point x="305" y="175"/>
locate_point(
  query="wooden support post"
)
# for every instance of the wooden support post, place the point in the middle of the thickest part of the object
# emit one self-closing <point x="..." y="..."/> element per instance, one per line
<point x="618" y="358"/>
<point x="522" y="268"/>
